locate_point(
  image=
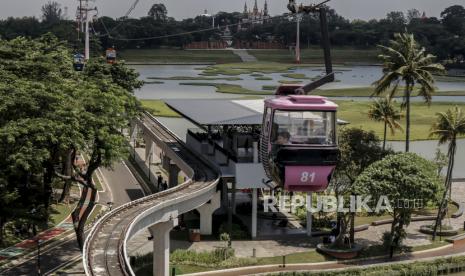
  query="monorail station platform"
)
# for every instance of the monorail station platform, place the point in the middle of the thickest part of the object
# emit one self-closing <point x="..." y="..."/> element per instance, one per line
<point x="227" y="133"/>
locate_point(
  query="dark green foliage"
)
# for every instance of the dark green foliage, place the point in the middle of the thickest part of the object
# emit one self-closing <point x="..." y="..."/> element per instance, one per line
<point x="427" y="268"/>
<point x="444" y="37"/>
<point x="48" y="113"/>
<point x="401" y="178"/>
<point x="237" y="232"/>
<point x="358" y="150"/>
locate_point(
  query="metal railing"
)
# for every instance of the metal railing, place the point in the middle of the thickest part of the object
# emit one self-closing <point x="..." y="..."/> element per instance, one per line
<point x="126" y="234"/>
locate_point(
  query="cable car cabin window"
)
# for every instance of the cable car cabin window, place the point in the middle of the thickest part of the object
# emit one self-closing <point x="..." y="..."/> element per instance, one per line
<point x="304" y="128"/>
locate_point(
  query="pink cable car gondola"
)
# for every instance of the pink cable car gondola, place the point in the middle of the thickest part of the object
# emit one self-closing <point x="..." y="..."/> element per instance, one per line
<point x="299" y="149"/>
<point x="299" y="140"/>
<point x="111" y="55"/>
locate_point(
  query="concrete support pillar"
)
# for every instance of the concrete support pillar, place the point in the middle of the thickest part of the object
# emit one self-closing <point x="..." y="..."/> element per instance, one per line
<point x="149" y="151"/>
<point x="206" y="214"/>
<point x="255" y="152"/>
<point x="309" y="214"/>
<point x="254" y="212"/>
<point x="165" y="162"/>
<point x="161" y="246"/>
<point x="133" y="130"/>
<point x="173" y="174"/>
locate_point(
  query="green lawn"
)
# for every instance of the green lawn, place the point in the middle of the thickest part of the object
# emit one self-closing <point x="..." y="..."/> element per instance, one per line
<point x="263" y="78"/>
<point x="315" y="55"/>
<point x="97" y="183"/>
<point x="290" y="81"/>
<point x="95" y="212"/>
<point x="228" y="88"/>
<point x="368" y="91"/>
<point x="310" y="256"/>
<point x="58" y="213"/>
<point x="312" y="55"/>
<point x="422" y="118"/>
<point x="234" y="69"/>
<point x="159" y="108"/>
<point x="178" y="56"/>
<point x="295" y="76"/>
<point x="354" y="112"/>
<point x="202" y="78"/>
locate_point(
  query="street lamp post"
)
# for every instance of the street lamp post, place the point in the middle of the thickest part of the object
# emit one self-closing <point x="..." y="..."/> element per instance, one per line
<point x="38" y="257"/>
<point x="297" y="44"/>
<point x="298" y="18"/>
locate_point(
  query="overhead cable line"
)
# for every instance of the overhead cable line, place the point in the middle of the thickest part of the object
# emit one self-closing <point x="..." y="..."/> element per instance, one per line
<point x="126" y="15"/>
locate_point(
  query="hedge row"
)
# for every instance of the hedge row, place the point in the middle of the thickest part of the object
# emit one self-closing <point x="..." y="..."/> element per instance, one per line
<point x="442" y="266"/>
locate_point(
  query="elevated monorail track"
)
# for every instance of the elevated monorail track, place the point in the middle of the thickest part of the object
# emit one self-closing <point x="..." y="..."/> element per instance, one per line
<point x="105" y="247"/>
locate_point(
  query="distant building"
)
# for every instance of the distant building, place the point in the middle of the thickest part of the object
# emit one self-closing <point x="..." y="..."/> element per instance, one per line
<point x="423" y="16"/>
<point x="254" y="16"/>
<point x="249" y="18"/>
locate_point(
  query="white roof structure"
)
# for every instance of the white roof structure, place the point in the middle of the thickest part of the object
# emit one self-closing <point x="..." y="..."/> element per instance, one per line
<point x="221" y="112"/>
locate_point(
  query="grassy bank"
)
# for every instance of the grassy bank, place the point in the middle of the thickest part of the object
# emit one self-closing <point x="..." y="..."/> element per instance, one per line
<point x="310" y="256"/>
<point x="253" y="68"/>
<point x="368" y="91"/>
<point x="315" y="55"/>
<point x="159" y="108"/>
<point x="228" y="88"/>
<point x="422" y="118"/>
<point x="354" y="112"/>
<point x="58" y="213"/>
<point x="178" y="56"/>
<point x="202" y="78"/>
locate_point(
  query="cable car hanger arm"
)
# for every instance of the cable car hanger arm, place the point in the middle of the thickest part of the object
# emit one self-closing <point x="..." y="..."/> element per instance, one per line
<point x="325" y="43"/>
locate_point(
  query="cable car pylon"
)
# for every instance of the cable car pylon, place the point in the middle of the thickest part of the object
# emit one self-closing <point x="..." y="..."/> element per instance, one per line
<point x="299" y="148"/>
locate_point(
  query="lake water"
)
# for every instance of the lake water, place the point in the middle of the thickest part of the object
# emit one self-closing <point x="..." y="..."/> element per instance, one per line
<point x="357" y="76"/>
<point x="348" y="77"/>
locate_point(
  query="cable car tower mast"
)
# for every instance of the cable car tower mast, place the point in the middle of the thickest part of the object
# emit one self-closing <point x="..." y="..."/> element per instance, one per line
<point x="320" y="9"/>
<point x="84" y="10"/>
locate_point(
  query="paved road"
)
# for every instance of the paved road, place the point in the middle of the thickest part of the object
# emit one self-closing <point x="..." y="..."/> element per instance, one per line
<point x="124" y="188"/>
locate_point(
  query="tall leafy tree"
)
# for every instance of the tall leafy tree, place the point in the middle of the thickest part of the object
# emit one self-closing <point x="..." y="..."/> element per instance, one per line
<point x="158" y="12"/>
<point x="448" y="127"/>
<point x="108" y="105"/>
<point x="48" y="113"/>
<point x="51" y="12"/>
<point x="453" y="18"/>
<point x="359" y="149"/>
<point x="32" y="118"/>
<point x="404" y="179"/>
<point x="405" y="61"/>
<point x="383" y="110"/>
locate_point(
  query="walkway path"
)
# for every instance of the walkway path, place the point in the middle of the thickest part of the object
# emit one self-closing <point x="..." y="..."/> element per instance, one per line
<point x="414" y="237"/>
<point x="294" y="243"/>
<point x="455" y="250"/>
<point x="244" y="55"/>
<point x="123" y="184"/>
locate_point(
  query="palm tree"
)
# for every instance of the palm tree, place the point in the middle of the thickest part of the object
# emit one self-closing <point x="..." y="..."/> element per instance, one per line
<point x="448" y="126"/>
<point x="405" y="61"/>
<point x="382" y="110"/>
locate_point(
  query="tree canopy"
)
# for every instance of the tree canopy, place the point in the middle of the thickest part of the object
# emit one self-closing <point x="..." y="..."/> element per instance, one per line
<point x="51" y="12"/>
<point x="408" y="181"/>
<point x="48" y="110"/>
<point x="443" y="36"/>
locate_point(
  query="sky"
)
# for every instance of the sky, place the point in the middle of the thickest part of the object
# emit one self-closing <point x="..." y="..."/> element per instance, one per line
<point x="352" y="9"/>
